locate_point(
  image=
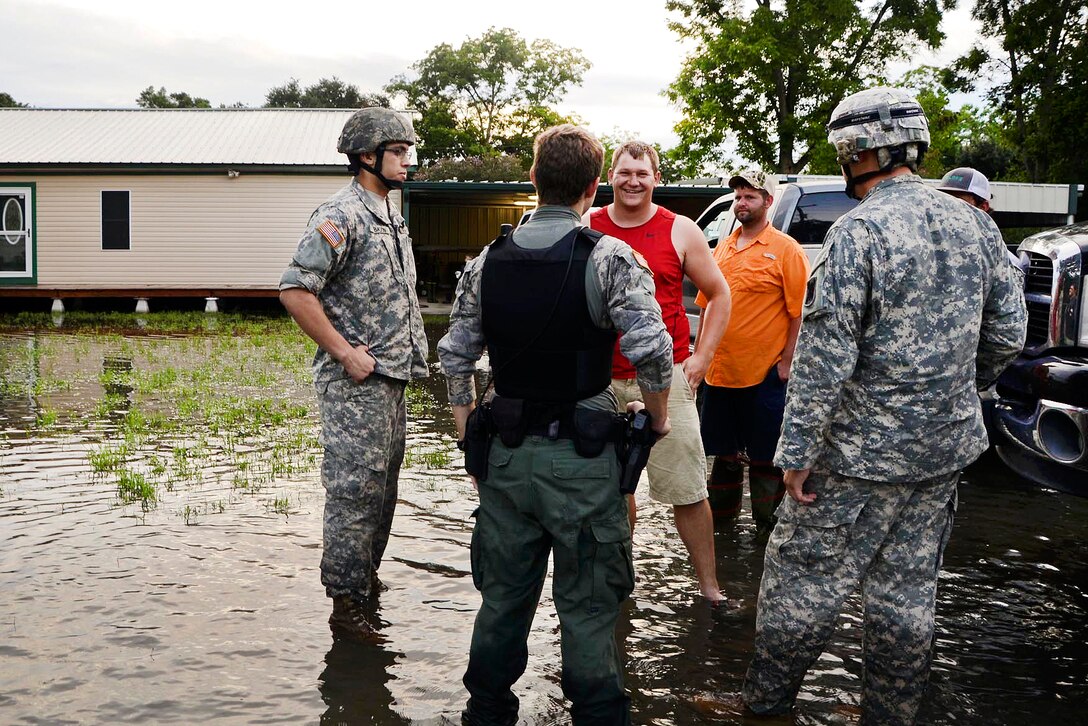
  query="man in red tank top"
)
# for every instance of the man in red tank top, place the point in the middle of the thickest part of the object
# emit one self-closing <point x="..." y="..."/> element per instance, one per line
<point x="672" y="246"/>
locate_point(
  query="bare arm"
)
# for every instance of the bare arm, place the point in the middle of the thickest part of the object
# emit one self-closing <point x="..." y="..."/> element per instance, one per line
<point x="460" y="417"/>
<point x="306" y="309"/>
<point x="700" y="266"/>
<point x="657" y="407"/>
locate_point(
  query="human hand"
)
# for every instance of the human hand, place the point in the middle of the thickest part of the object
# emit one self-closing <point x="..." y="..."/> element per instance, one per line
<point x="358" y="363"/>
<point x="783" y="370"/>
<point x="795" y="483"/>
<point x="695" y="371"/>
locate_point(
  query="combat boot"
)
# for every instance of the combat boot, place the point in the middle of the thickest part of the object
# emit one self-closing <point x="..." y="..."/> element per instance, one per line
<point x="353" y="620"/>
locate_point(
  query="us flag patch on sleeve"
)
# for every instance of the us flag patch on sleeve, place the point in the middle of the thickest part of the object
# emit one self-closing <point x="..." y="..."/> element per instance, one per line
<point x="331" y="233"/>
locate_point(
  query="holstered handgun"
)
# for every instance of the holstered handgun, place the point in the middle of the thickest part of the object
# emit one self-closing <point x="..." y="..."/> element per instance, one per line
<point x="478" y="441"/>
<point x="638" y="438"/>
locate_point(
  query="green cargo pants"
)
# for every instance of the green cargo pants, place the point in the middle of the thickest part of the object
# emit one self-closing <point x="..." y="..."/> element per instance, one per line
<point x="538" y="498"/>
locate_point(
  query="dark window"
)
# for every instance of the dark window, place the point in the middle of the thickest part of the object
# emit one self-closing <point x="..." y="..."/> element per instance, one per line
<point x="816" y="213"/>
<point x="115" y="226"/>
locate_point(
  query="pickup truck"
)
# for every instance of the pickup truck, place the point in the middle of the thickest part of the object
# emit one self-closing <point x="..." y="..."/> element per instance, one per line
<point x="1039" y="419"/>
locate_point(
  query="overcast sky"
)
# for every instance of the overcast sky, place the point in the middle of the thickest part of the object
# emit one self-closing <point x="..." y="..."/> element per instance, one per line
<point x="101" y="54"/>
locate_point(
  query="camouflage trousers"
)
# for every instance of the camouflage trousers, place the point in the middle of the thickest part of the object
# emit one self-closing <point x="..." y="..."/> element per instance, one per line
<point x="889" y="538"/>
<point x="538" y="499"/>
<point x="362" y="429"/>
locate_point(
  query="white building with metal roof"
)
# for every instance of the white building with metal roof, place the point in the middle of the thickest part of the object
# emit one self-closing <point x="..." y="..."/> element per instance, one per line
<point x="155" y="202"/>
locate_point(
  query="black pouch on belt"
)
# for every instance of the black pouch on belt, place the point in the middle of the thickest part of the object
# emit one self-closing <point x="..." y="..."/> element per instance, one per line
<point x="478" y="441"/>
<point x="509" y="420"/>
<point x="593" y="430"/>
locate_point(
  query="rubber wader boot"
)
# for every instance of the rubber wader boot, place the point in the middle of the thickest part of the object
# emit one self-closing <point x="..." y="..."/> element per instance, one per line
<point x="767" y="489"/>
<point x="725" y="487"/>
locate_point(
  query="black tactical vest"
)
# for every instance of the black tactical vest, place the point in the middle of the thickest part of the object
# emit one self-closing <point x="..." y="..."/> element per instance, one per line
<point x="542" y="343"/>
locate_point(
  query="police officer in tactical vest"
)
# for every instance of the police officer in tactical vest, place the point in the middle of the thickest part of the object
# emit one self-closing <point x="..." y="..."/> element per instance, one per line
<point x="547" y="301"/>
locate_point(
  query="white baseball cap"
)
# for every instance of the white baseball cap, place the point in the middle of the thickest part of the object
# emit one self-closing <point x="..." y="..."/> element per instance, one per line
<point x="966" y="179"/>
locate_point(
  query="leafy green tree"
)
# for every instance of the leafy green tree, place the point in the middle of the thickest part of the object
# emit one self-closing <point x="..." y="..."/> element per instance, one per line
<point x="150" y="98"/>
<point x="492" y="167"/>
<point x="489" y="95"/>
<point x="768" y="78"/>
<point x="326" y="93"/>
<point x="6" y="101"/>
<point x="1041" y="69"/>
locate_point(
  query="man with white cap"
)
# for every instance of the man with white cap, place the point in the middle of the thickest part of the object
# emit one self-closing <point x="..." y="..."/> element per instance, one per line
<point x="968" y="184"/>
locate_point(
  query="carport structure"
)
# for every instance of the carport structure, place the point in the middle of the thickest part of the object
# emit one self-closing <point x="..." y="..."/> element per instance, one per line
<point x="451" y="221"/>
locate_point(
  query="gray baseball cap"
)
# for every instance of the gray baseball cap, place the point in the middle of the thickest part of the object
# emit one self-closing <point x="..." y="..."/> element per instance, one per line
<point x="754" y="178"/>
<point x="966" y="179"/>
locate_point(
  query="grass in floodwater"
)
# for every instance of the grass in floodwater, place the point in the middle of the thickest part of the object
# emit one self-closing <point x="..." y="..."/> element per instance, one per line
<point x="132" y="486"/>
<point x="167" y="400"/>
<point x="46" y="419"/>
<point x="438" y="459"/>
<point x="418" y="399"/>
<point x="108" y="458"/>
<point x="281" y="505"/>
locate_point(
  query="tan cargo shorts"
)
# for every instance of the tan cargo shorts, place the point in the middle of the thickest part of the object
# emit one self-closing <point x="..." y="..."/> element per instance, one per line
<point x="677" y="466"/>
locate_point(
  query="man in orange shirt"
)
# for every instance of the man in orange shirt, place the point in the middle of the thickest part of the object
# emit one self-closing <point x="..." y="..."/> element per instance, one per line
<point x="746" y="381"/>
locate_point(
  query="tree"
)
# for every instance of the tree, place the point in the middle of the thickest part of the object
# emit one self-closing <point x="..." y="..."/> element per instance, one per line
<point x="493" y="167"/>
<point x="1042" y="73"/>
<point x="150" y="98"/>
<point x="326" y="93"/>
<point x="491" y="94"/>
<point x="6" y="101"/>
<point x="769" y="78"/>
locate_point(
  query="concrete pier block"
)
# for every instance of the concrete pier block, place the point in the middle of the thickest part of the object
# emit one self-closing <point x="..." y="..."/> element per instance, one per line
<point x="58" y="306"/>
<point x="141" y="306"/>
<point x="211" y="304"/>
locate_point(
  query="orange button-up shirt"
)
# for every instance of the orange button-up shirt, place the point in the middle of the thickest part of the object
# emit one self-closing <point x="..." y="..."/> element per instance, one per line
<point x="767" y="280"/>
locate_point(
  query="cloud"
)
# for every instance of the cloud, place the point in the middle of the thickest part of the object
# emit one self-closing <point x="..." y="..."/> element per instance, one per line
<point x="56" y="57"/>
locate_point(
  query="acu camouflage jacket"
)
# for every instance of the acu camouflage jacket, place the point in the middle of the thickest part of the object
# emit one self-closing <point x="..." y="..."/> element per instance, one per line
<point x="912" y="307"/>
<point x="356" y="257"/>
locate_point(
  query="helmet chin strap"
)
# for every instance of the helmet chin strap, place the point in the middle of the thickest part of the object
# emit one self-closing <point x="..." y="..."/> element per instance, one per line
<point x="375" y="170"/>
<point x="888" y="158"/>
<point x="853" y="181"/>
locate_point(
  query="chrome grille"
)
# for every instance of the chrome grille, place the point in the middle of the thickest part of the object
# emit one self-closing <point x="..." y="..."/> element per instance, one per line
<point x="1038" y="322"/>
<point x="1040" y="277"/>
<point x="1038" y="284"/>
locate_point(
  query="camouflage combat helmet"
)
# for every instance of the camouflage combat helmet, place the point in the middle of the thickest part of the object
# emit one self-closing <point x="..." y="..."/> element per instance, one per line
<point x="887" y="120"/>
<point x="369" y="128"/>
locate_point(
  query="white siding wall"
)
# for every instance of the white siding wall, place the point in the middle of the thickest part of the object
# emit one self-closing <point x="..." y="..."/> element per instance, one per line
<point x="190" y="231"/>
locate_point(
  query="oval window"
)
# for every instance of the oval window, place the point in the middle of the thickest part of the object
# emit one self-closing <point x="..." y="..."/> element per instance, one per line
<point x="13" y="221"/>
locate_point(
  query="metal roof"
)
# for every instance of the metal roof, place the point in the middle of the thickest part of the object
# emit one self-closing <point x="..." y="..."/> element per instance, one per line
<point x="272" y="137"/>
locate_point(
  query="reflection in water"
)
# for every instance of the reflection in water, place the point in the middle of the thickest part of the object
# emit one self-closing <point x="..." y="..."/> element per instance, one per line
<point x="207" y="606"/>
<point x="353" y="684"/>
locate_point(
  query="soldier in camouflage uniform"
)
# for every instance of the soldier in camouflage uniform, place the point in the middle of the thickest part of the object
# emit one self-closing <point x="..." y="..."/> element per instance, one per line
<point x="540" y="495"/>
<point x="912" y="307"/>
<point x="351" y="287"/>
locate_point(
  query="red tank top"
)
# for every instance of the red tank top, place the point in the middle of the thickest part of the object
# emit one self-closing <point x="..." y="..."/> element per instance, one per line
<point x="653" y="240"/>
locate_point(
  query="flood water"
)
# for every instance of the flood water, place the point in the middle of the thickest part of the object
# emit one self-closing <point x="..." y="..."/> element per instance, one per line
<point x="160" y="521"/>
